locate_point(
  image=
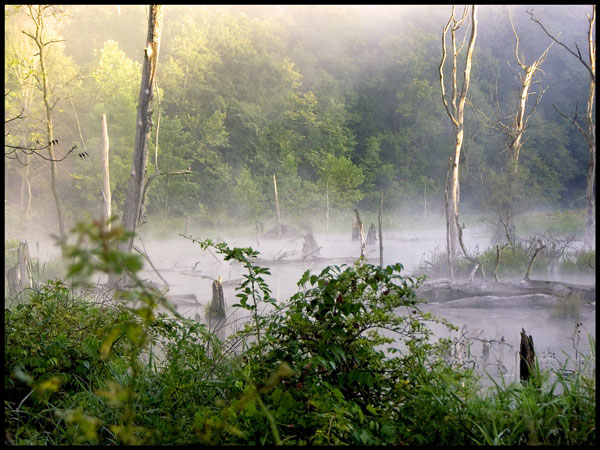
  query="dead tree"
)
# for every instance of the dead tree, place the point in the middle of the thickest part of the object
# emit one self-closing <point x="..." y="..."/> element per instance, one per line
<point x="514" y="125"/>
<point x="588" y="128"/>
<point x="371" y="234"/>
<point x="526" y="357"/>
<point x="133" y="201"/>
<point x="454" y="105"/>
<point x="277" y="207"/>
<point x="355" y="229"/>
<point x="541" y="245"/>
<point x="310" y="246"/>
<point x="361" y="231"/>
<point x="380" y="219"/>
<point x="19" y="277"/>
<point x="216" y="310"/>
<point x="39" y="15"/>
<point x="106" y="174"/>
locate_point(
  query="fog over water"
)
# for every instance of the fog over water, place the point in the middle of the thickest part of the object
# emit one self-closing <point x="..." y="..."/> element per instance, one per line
<point x="190" y="272"/>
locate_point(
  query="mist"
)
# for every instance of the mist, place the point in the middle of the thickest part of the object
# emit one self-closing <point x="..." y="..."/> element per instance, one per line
<point x="283" y="89"/>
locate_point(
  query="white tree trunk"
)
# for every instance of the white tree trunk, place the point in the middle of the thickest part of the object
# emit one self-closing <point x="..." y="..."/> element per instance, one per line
<point x="106" y="172"/>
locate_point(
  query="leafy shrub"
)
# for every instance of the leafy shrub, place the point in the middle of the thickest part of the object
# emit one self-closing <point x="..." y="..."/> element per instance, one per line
<point x="349" y="359"/>
<point x="581" y="262"/>
<point x="353" y="338"/>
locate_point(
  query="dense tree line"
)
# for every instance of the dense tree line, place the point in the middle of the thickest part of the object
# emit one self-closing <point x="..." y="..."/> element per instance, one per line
<point x="336" y="101"/>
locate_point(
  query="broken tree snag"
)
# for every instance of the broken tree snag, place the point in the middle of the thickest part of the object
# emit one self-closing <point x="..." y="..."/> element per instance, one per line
<point x="371" y="235"/>
<point x="106" y="174"/>
<point x="355" y="229"/>
<point x="361" y="231"/>
<point x="216" y="310"/>
<point x="133" y="201"/>
<point x="12" y="281"/>
<point x="217" y="305"/>
<point x="379" y="219"/>
<point x="24" y="266"/>
<point x="327" y="210"/>
<point x="277" y="207"/>
<point x="526" y="356"/>
<point x="310" y="246"/>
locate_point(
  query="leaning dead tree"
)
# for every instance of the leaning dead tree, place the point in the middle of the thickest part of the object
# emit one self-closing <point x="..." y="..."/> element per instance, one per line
<point x="588" y="128"/>
<point x="454" y="103"/>
<point x="133" y="201"/>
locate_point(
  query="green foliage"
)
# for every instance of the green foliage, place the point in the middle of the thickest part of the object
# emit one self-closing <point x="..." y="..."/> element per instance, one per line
<point x="558" y="223"/>
<point x="582" y="262"/>
<point x="348" y="360"/>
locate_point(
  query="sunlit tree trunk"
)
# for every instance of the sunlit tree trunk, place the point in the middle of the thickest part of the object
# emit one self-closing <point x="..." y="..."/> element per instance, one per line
<point x="106" y="173"/>
<point x="38" y="16"/>
<point x="454" y="105"/>
<point x="133" y="201"/>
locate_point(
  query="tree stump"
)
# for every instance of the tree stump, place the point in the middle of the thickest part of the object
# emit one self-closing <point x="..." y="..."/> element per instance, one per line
<point x="216" y="310"/>
<point x="217" y="305"/>
<point x="486" y="352"/>
<point x="310" y="246"/>
<point x="24" y="266"/>
<point x="372" y="234"/>
<point x="526" y="356"/>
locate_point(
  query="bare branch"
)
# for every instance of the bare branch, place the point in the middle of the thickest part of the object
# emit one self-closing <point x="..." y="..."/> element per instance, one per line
<point x="578" y="56"/>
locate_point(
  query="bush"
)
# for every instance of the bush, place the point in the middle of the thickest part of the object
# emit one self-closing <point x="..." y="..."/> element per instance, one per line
<point x="349" y="359"/>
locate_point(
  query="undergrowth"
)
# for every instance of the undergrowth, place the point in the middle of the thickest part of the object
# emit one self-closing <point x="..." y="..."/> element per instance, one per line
<point x="348" y="360"/>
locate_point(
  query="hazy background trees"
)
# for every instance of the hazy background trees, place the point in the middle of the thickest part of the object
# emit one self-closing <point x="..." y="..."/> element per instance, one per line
<point x="337" y="99"/>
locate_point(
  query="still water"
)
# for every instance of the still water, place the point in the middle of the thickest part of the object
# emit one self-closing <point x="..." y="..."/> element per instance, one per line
<point x="190" y="272"/>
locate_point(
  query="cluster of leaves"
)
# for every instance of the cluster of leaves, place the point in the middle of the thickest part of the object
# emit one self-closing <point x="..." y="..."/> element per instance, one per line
<point x="349" y="359"/>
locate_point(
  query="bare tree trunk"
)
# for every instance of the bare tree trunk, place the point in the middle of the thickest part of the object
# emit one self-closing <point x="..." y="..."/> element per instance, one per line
<point x="106" y="171"/>
<point x="277" y="207"/>
<point x="327" y="210"/>
<point x="588" y="131"/>
<point x="24" y="266"/>
<point x="380" y="220"/>
<point x="535" y="253"/>
<point x="454" y="106"/>
<point x="361" y="228"/>
<point x="37" y="14"/>
<point x="425" y="202"/>
<point x="133" y="201"/>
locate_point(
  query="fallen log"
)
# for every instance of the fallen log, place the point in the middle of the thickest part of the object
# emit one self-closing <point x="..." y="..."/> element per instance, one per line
<point x="444" y="290"/>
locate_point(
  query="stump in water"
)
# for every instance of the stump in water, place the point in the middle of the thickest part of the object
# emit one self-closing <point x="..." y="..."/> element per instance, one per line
<point x="216" y="311"/>
<point x="217" y="305"/>
<point x="372" y="234"/>
<point x="526" y="356"/>
<point x="486" y="352"/>
<point x="310" y="246"/>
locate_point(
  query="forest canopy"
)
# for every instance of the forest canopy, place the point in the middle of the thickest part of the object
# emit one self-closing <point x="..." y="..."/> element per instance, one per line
<point x="339" y="101"/>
